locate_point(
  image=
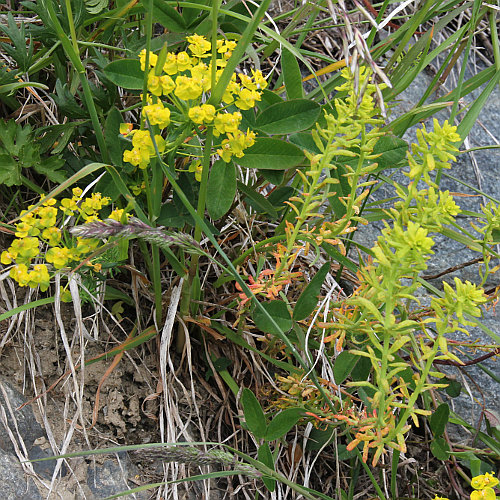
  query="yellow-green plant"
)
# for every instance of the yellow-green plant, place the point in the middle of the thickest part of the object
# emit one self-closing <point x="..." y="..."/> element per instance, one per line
<point x="43" y="246"/>
<point x="381" y="317"/>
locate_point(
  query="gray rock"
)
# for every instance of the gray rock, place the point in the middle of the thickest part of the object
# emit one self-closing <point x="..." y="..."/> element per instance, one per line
<point x="112" y="477"/>
<point x="15" y="484"/>
<point x="28" y="427"/>
<point x="29" y="430"/>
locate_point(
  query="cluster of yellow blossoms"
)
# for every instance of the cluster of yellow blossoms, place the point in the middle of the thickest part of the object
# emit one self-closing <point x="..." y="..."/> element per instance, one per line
<point x="483" y="487"/>
<point x="38" y="228"/>
<point x="184" y="80"/>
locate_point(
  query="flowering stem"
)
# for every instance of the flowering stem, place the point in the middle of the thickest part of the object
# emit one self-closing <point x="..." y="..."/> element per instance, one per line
<point x="193" y="268"/>
<point x="187" y="289"/>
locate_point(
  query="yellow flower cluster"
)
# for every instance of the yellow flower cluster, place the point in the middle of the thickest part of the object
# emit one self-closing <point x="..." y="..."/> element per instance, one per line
<point x="37" y="226"/>
<point x="143" y="148"/>
<point x="184" y="79"/>
<point x="483" y="487"/>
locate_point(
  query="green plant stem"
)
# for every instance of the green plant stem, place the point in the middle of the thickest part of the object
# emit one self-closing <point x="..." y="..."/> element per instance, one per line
<point x="380" y="493"/>
<point x="193" y="267"/>
<point x="187" y="289"/>
<point x="394" y="473"/>
<point x="74" y="57"/>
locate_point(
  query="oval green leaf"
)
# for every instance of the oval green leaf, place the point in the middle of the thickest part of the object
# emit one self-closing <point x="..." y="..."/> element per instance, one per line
<point x="125" y="73"/>
<point x="278" y="310"/>
<point x="309" y="296"/>
<point x="391" y="149"/>
<point x="168" y="17"/>
<point x="439" y="419"/>
<point x="440" y="449"/>
<point x="282" y="423"/>
<point x="344" y="364"/>
<point x="258" y="201"/>
<point x="271" y="154"/>
<point x="266" y="457"/>
<point x="254" y="416"/>
<point x="221" y="188"/>
<point x="288" y="117"/>
<point x="291" y="75"/>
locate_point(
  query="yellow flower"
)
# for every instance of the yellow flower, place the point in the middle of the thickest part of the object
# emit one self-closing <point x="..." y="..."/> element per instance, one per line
<point x="201" y="74"/>
<point x="198" y="45"/>
<point x="247" y="82"/>
<point x="57" y="256"/>
<point x="94" y="203"/>
<point x="183" y="61"/>
<point x="20" y="274"/>
<point x="154" y="84"/>
<point x="157" y="114"/>
<point x="187" y="88"/>
<point x="39" y="277"/>
<point x="137" y="157"/>
<point x="487" y="480"/>
<point x="226" y="122"/>
<point x="170" y="66"/>
<point x="7" y="257"/>
<point x="68" y="206"/>
<point x="117" y="214"/>
<point x="246" y="99"/>
<point x="197" y="168"/>
<point x="167" y="84"/>
<point x="202" y="114"/>
<point x="485" y="494"/>
<point x="24" y="229"/>
<point x="225" y="152"/>
<point x="259" y="79"/>
<point x="24" y="249"/>
<point x="47" y="216"/>
<point x="52" y="235"/>
<point x="153" y="58"/>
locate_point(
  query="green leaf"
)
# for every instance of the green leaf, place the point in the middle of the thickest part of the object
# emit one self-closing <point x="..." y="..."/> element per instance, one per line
<point x="440" y="449"/>
<point x="274" y="176"/>
<point x="282" y="423"/>
<point x="271" y="154"/>
<point x="125" y="73"/>
<point x="51" y="168"/>
<point x="361" y="369"/>
<point x="19" y="50"/>
<point x="254" y="416"/>
<point x="258" y="201"/>
<point x="278" y="310"/>
<point x="309" y="297"/>
<point x="279" y="196"/>
<point x="66" y="102"/>
<point x="439" y="419"/>
<point x="291" y="75"/>
<point x="168" y="17"/>
<point x="454" y="387"/>
<point x="288" y="117"/>
<point x="304" y="140"/>
<point x="268" y="98"/>
<point x="116" y="146"/>
<point x="392" y="150"/>
<point x="95" y="6"/>
<point x="344" y="364"/>
<point x="319" y="437"/>
<point x="221" y="188"/>
<point x="10" y="171"/>
<point x="266" y="457"/>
